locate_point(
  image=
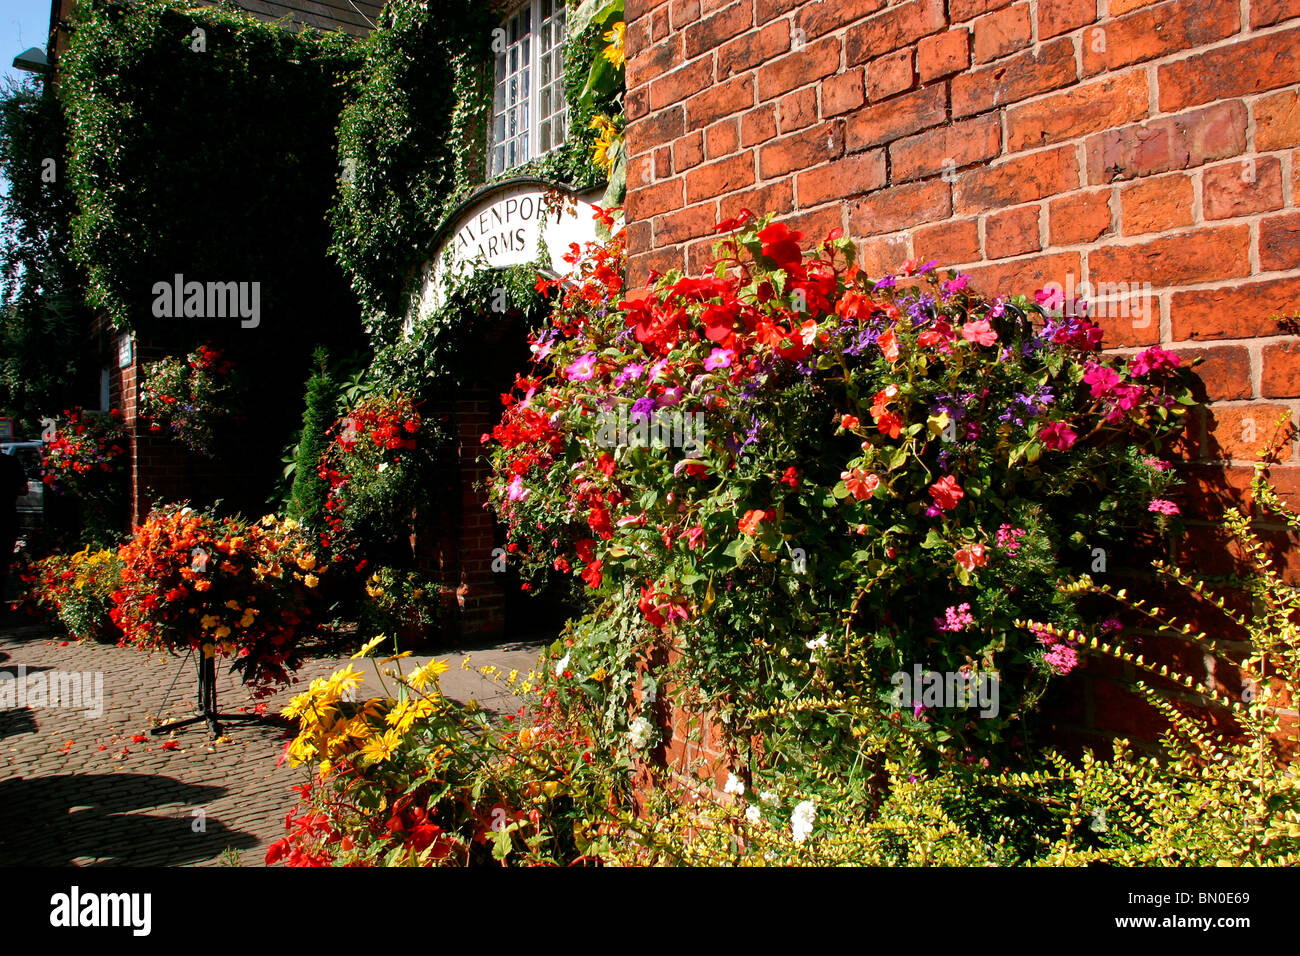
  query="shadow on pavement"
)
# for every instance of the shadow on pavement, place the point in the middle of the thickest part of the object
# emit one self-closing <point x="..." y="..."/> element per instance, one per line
<point x="51" y="821"/>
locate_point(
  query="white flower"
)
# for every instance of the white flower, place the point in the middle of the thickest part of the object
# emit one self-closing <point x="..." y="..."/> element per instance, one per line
<point x="383" y="466"/>
<point x="768" y="797"/>
<point x="561" y="664"/>
<point x="734" y="785"/>
<point x="640" y="732"/>
<point x="801" y="821"/>
<point x="752" y="814"/>
<point x="817" y="644"/>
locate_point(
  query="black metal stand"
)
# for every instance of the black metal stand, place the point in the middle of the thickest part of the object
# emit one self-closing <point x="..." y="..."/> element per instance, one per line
<point x="207" y="702"/>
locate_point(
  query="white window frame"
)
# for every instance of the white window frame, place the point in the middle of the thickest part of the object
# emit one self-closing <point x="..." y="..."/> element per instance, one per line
<point x="532" y="98"/>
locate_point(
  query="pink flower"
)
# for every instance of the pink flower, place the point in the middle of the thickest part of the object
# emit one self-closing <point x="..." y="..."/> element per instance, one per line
<point x="1058" y="436"/>
<point x="516" y="490"/>
<point x="1050" y="299"/>
<point x="981" y="333"/>
<point x="955" y="619"/>
<point x="1153" y="360"/>
<point x="1162" y="506"/>
<point x="582" y="369"/>
<point x="719" y="358"/>
<point x="1101" y="378"/>
<point x="955" y="285"/>
<point x="972" y="557"/>
<point x="946" y="492"/>
<point x="1061" y="658"/>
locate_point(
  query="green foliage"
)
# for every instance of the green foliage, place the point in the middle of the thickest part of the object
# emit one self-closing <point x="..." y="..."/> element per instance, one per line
<point x="307" y="495"/>
<point x="211" y="161"/>
<point x="413" y="143"/>
<point x="42" y="341"/>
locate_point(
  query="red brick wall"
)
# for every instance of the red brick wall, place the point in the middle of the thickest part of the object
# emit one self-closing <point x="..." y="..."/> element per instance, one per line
<point x="1028" y="142"/>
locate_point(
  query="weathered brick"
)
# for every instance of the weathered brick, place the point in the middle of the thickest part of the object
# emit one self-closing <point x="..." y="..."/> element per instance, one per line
<point x="952" y="242"/>
<point x="843" y="93"/>
<point x="652" y="130"/>
<point x="776" y="196"/>
<point x="1001" y="33"/>
<point x="684" y="224"/>
<point x="1108" y="103"/>
<point x="1249" y="66"/>
<point x="722" y="138"/>
<point x="797" y="110"/>
<point x="1061" y="16"/>
<point x="1020" y="179"/>
<point x="889" y="75"/>
<point x="712" y="31"/>
<point x="960" y="10"/>
<point x="1026" y="74"/>
<point x="1161" y="145"/>
<point x="758" y="126"/>
<point x="1241" y="188"/>
<point x="1281" y="372"/>
<point x="719" y="177"/>
<point x="884" y="255"/>
<point x="841" y="179"/>
<point x="800" y="67"/>
<point x="1079" y="217"/>
<point x="1265" y="13"/>
<point x="892" y="29"/>
<point x="1157" y="31"/>
<point x="1240" y="310"/>
<point x="723" y="99"/>
<point x="750" y="49"/>
<point x="682" y="13"/>
<point x="688" y="151"/>
<point x="681" y="84"/>
<point x="942" y="55"/>
<point x="653" y="62"/>
<point x="1012" y="232"/>
<point x="946" y="148"/>
<point x="803" y="150"/>
<point x="1224" y="371"/>
<point x="896" y="118"/>
<point x="1277" y="121"/>
<point x="1279" y="242"/>
<point x="1200" y="255"/>
<point x="1240" y="432"/>
<point x="649" y="201"/>
<point x="1156" y="204"/>
<point x="1023" y="276"/>
<point x="900" y="207"/>
<point x="816" y="17"/>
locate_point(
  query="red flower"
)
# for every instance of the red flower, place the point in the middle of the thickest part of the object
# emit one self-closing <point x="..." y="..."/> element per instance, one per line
<point x="946" y="492"/>
<point x="791" y="477"/>
<point x="592" y="574"/>
<point x="782" y="247"/>
<point x="752" y="519"/>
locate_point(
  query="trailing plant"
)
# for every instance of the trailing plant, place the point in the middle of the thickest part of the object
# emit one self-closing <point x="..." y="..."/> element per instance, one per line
<point x="78" y="590"/>
<point x="783" y="459"/>
<point x="220" y="586"/>
<point x="376" y="468"/>
<point x="402" y="603"/>
<point x="190" y="398"/>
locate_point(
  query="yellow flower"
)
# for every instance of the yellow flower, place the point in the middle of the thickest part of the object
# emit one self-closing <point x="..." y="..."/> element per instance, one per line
<point x="307" y="561"/>
<point x="615" y="52"/>
<point x="208" y="621"/>
<point x="311" y="580"/>
<point x="233" y="605"/>
<point x="422" y="676"/>
<point x="247" y="619"/>
<point x="408" y="712"/>
<point x="599" y="675"/>
<point x="369" y="646"/>
<point x="378" y="749"/>
<point x="222" y="632"/>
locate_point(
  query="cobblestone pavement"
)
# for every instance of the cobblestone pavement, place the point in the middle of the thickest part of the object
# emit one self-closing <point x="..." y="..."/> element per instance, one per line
<point x="85" y="790"/>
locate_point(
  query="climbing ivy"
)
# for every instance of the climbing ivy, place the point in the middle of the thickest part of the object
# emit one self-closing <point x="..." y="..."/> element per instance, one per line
<point x="201" y="140"/>
<point x="413" y="146"/>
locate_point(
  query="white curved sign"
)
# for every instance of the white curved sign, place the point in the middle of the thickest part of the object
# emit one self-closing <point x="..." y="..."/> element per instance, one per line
<point x="509" y="226"/>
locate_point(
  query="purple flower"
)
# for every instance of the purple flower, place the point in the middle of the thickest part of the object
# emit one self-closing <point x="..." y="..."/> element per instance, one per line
<point x="642" y="408"/>
<point x="630" y="373"/>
